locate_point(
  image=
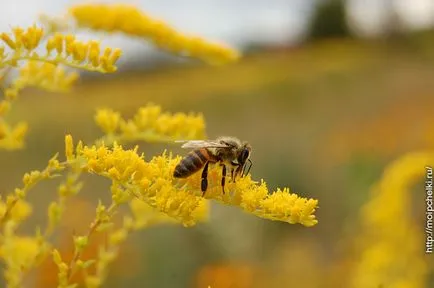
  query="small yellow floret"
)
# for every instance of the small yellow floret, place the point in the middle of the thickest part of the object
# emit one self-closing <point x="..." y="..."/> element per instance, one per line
<point x="108" y="120"/>
<point x="8" y="40"/>
<point x="69" y="147"/>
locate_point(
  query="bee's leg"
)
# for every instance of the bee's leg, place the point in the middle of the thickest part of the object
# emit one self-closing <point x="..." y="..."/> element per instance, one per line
<point x="238" y="170"/>
<point x="248" y="169"/>
<point x="204" y="183"/>
<point x="223" y="177"/>
<point x="233" y="170"/>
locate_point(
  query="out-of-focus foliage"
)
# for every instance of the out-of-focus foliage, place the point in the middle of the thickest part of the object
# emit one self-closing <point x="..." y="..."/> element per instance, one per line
<point x="329" y="20"/>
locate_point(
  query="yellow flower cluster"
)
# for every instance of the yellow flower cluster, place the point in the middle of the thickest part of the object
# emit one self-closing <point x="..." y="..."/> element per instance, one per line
<point x="251" y="196"/>
<point x="143" y="216"/>
<point x="149" y="124"/>
<point x="26" y="40"/>
<point x="46" y="76"/>
<point x="80" y="52"/>
<point x="43" y="71"/>
<point x="153" y="183"/>
<point x="11" y="137"/>
<point x="131" y="21"/>
<point x="20" y="253"/>
<point x="68" y="50"/>
<point x="391" y="242"/>
<point x="29" y="180"/>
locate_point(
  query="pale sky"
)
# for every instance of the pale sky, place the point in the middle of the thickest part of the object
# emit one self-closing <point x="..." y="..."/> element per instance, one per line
<point x="369" y="15"/>
<point x="233" y="22"/>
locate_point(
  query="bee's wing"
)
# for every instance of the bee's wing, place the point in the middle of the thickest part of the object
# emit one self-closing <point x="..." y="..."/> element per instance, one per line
<point x="202" y="144"/>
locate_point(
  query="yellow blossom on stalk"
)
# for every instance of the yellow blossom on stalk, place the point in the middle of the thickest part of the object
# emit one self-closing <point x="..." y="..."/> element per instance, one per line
<point x="149" y="124"/>
<point x="131" y="21"/>
<point x="108" y="253"/>
<point x="83" y="55"/>
<point x="14" y="207"/>
<point x="19" y="212"/>
<point x="27" y="39"/>
<point x="60" y="49"/>
<point x="44" y="71"/>
<point x="19" y="254"/>
<point x="46" y="76"/>
<point x="390" y="244"/>
<point x="144" y="216"/>
<point x="153" y="183"/>
<point x="12" y="137"/>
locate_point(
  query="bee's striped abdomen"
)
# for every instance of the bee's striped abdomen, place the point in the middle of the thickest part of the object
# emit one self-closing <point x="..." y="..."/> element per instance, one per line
<point x="191" y="163"/>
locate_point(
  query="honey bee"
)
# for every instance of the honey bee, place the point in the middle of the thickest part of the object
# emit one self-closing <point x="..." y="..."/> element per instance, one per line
<point x="224" y="151"/>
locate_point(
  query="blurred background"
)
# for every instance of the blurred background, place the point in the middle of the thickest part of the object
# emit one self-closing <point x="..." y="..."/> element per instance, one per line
<point x="328" y="93"/>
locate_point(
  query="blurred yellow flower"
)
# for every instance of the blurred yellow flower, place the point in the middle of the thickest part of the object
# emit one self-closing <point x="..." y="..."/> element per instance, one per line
<point x="46" y="76"/>
<point x="149" y="124"/>
<point x="390" y="243"/>
<point x="18" y="213"/>
<point x="12" y="137"/>
<point x="131" y="21"/>
<point x="19" y="254"/>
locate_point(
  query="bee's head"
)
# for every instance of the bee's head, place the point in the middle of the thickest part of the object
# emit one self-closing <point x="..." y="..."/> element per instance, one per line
<point x="244" y="153"/>
<point x="243" y="157"/>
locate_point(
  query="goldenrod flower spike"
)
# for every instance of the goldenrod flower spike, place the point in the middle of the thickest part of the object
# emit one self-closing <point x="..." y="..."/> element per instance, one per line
<point x="83" y="55"/>
<point x="386" y="225"/>
<point x="60" y="48"/>
<point x="153" y="183"/>
<point x="149" y="124"/>
<point x="131" y="21"/>
<point x="252" y="197"/>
